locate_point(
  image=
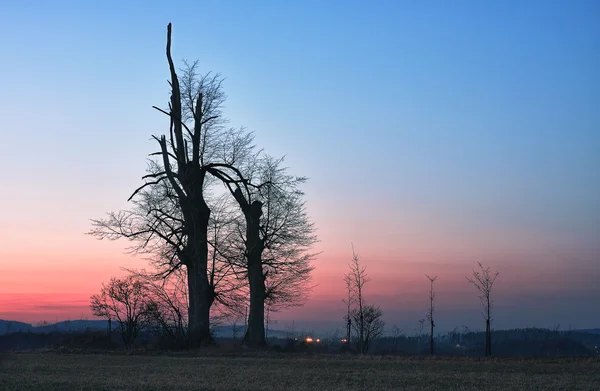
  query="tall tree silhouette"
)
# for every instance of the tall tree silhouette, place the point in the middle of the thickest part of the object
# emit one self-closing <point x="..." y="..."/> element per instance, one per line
<point x="356" y="279"/>
<point x="173" y="217"/>
<point x="196" y="148"/>
<point x="275" y="238"/>
<point x="349" y="301"/>
<point x="430" y="312"/>
<point x="483" y="280"/>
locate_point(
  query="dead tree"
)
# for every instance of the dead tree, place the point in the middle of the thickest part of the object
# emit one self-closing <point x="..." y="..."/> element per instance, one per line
<point x="357" y="278"/>
<point x="430" y="312"/>
<point x="484" y="280"/>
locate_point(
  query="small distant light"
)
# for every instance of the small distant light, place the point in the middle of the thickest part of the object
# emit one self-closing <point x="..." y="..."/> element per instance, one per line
<point x="344" y="340"/>
<point x="309" y="339"/>
<point x="318" y="340"/>
<point x="458" y="345"/>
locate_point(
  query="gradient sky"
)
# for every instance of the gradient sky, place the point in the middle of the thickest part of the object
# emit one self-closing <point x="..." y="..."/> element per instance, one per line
<point x="435" y="134"/>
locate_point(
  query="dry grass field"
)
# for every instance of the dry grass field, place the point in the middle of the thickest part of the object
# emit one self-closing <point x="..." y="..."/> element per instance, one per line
<point x="53" y="371"/>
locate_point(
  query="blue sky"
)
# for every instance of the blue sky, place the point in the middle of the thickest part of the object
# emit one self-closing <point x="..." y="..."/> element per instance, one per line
<point x="433" y="132"/>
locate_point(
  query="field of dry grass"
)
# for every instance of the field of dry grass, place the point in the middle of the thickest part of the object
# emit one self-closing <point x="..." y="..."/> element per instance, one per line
<point x="53" y="371"/>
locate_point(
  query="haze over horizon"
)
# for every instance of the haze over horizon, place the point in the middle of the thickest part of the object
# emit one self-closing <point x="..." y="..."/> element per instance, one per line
<point x="434" y="135"/>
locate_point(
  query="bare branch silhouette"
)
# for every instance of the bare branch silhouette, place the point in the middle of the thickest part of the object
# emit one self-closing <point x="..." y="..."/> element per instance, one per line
<point x="483" y="281"/>
<point x="431" y="312"/>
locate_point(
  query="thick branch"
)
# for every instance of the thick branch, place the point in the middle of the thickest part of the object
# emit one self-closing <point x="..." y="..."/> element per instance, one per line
<point x="175" y="104"/>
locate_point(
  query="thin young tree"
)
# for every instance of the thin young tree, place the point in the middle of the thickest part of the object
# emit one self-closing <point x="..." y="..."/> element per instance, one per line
<point x="356" y="278"/>
<point x="397" y="334"/>
<point x="484" y="280"/>
<point x="369" y="322"/>
<point x="430" y="312"/>
<point x="349" y="301"/>
<point x="420" y="334"/>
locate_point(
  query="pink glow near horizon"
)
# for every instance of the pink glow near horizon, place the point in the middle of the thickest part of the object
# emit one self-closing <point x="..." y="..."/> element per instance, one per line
<point x="54" y="279"/>
<point x="56" y="284"/>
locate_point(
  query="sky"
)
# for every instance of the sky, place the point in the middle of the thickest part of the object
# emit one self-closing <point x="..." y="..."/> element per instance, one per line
<point x="435" y="135"/>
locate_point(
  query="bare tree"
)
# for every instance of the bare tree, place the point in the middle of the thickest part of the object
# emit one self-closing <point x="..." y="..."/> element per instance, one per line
<point x="288" y="235"/>
<point x="430" y="312"/>
<point x="169" y="304"/>
<point x="196" y="148"/>
<point x="356" y="278"/>
<point x="154" y="226"/>
<point x="275" y="237"/>
<point x="349" y="301"/>
<point x="229" y="290"/>
<point x="397" y="334"/>
<point x="483" y="280"/>
<point x="236" y="328"/>
<point x="126" y="301"/>
<point x="370" y="323"/>
<point x="420" y="334"/>
<point x="173" y="211"/>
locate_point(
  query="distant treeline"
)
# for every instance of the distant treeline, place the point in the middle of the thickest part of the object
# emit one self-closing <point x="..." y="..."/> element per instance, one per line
<point x="514" y="342"/>
<point x="93" y="335"/>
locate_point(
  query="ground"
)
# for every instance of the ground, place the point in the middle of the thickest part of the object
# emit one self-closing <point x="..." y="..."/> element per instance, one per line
<point x="269" y="371"/>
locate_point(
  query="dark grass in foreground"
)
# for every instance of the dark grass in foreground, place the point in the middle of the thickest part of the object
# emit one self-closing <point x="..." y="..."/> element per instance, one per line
<point x="52" y="371"/>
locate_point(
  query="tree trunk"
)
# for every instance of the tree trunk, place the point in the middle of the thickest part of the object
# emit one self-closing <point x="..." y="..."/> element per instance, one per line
<point x="488" y="329"/>
<point x="109" y="331"/>
<point x="255" y="334"/>
<point x="200" y="301"/>
<point x="362" y="331"/>
<point x="201" y="294"/>
<point x="196" y="214"/>
<point x="348" y="330"/>
<point x="431" y="337"/>
<point x="488" y="338"/>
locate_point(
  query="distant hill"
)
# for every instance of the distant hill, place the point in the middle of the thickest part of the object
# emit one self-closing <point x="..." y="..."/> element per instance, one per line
<point x="589" y="331"/>
<point x="11" y="326"/>
<point x="73" y="325"/>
